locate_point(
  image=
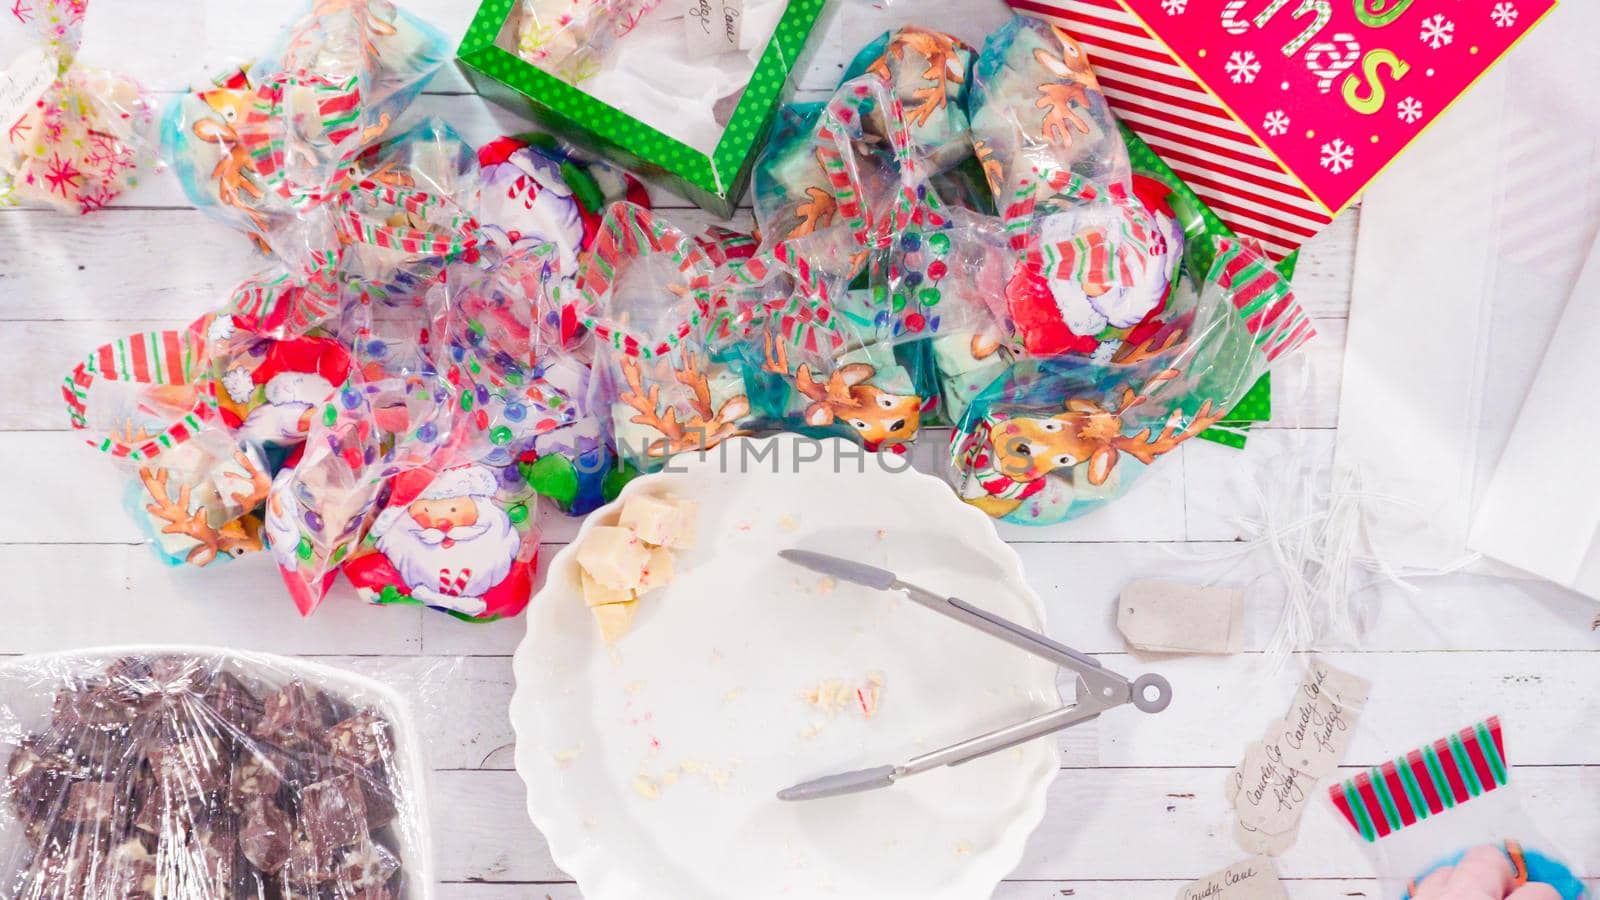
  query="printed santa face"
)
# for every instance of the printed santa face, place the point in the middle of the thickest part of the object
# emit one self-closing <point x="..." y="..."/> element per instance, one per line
<point x="445" y="542"/>
<point x="525" y="199"/>
<point x="272" y="398"/>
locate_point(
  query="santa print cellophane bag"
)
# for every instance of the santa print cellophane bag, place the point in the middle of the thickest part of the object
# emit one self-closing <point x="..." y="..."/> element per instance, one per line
<point x="204" y="774"/>
<point x="1445" y="821"/>
<point x="644" y="293"/>
<point x="1055" y="437"/>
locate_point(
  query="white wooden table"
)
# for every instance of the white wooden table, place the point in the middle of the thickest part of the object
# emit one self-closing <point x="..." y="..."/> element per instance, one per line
<point x="1138" y="806"/>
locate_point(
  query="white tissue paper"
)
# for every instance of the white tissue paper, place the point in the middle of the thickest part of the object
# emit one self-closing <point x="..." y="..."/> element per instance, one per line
<point x="1469" y="249"/>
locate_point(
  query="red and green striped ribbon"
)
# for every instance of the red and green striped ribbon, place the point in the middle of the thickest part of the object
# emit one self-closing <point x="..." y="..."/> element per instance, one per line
<point x="627" y="232"/>
<point x="1425" y="782"/>
<point x="1263" y="298"/>
<point x="148" y="358"/>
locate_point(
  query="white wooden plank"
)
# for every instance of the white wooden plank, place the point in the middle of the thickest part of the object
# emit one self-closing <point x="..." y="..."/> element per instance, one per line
<point x="1178" y="814"/>
<point x="61" y="597"/>
<point x="1298" y="888"/>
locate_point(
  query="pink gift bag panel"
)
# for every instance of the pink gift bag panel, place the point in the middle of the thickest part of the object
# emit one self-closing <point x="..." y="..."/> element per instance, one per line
<point x="1279" y="112"/>
<point x="1336" y="88"/>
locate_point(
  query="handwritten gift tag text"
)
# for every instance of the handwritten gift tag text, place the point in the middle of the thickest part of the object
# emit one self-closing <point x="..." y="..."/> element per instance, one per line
<point x="1274" y="783"/>
<point x="1252" y="879"/>
<point x="713" y="26"/>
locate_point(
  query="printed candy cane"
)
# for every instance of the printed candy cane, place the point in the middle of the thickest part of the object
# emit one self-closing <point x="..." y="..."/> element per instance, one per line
<point x="1231" y="23"/>
<point x="1319" y="8"/>
<point x="1326" y="59"/>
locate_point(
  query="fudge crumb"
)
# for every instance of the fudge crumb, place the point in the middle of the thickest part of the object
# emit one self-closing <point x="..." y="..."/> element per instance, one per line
<point x="645" y="787"/>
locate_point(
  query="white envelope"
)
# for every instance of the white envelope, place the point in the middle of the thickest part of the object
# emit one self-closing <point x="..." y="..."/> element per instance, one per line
<point x="1541" y="511"/>
<point x="1469" y="248"/>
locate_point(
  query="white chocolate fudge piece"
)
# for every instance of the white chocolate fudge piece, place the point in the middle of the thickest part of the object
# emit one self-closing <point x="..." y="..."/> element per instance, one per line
<point x="662" y="521"/>
<point x="658" y="571"/>
<point x="597" y="594"/>
<point x="615" y="619"/>
<point x="614" y="557"/>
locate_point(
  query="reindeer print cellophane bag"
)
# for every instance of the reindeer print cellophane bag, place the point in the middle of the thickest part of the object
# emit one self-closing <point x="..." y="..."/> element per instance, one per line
<point x="149" y="402"/>
<point x="266" y="140"/>
<point x="644" y="293"/>
<point x="1057" y="437"/>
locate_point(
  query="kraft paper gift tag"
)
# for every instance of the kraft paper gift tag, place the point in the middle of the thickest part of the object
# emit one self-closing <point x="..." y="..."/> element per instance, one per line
<point x="1275" y="782"/>
<point x="1172" y="617"/>
<point x="1250" y="879"/>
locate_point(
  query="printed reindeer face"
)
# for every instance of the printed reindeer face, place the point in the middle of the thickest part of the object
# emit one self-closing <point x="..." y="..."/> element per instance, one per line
<point x="879" y="416"/>
<point x="1031" y="447"/>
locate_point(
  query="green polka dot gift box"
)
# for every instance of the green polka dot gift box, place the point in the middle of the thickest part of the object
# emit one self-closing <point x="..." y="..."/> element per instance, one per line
<point x="714" y="181"/>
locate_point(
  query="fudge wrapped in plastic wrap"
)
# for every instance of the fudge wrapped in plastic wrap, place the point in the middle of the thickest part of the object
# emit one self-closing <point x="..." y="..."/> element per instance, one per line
<point x="570" y="38"/>
<point x="73" y="136"/>
<point x="644" y="292"/>
<point x="206" y="775"/>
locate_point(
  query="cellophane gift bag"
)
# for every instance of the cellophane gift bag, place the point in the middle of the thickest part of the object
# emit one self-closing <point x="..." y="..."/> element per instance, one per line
<point x="1058" y="436"/>
<point x="645" y="294"/>
<point x="71" y="136"/>
<point x="205" y="774"/>
<point x="148" y="402"/>
<point x="265" y="140"/>
<point x="1445" y="821"/>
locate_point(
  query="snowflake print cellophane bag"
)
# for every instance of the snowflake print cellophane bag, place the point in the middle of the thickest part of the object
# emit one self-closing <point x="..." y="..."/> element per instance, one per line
<point x="71" y="136"/>
<point x="202" y="774"/>
<point x="645" y="294"/>
<point x="1056" y="437"/>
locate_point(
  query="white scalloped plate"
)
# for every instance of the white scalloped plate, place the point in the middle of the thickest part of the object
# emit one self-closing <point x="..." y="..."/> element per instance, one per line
<point x="703" y="696"/>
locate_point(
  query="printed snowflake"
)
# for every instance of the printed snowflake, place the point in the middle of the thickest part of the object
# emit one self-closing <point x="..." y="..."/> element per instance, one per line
<point x="61" y="174"/>
<point x="1243" y="66"/>
<point x="1337" y="156"/>
<point x="1276" y="123"/>
<point x="1409" y="110"/>
<point x="1175" y="7"/>
<point x="1504" y="15"/>
<point x="1438" y="31"/>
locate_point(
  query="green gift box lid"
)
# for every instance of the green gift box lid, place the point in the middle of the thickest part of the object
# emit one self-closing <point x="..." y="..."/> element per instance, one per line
<point x="715" y="181"/>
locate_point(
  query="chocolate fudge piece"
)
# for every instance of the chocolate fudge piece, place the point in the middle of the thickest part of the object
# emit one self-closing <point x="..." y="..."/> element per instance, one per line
<point x="333" y="813"/>
<point x="90" y="804"/>
<point x="265" y="835"/>
<point x="367" y="866"/>
<point x="292" y="718"/>
<point x="95" y="706"/>
<point x="364" y="740"/>
<point x="130" y="872"/>
<point x="235" y="706"/>
<point x="188" y="759"/>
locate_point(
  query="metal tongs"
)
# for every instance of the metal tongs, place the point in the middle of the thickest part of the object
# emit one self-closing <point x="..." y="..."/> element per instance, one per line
<point x="1099" y="689"/>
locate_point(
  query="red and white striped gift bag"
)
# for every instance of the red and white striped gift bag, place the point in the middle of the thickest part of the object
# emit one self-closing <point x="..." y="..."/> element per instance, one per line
<point x="1189" y="128"/>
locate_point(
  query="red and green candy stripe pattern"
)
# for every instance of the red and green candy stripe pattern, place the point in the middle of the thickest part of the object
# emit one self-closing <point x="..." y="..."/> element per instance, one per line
<point x="1425" y="782"/>
<point x="147" y="358"/>
<point x="1262" y="296"/>
<point x="628" y="232"/>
